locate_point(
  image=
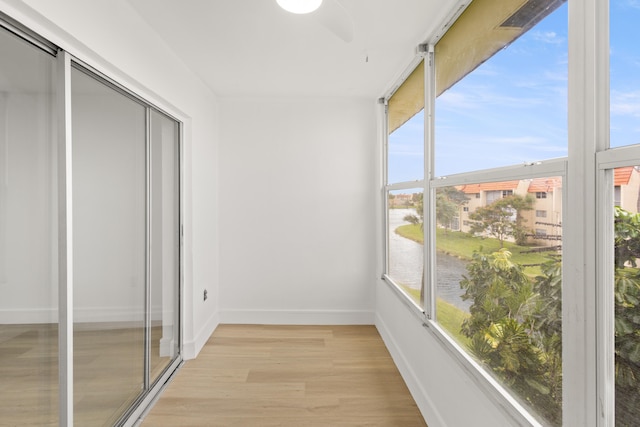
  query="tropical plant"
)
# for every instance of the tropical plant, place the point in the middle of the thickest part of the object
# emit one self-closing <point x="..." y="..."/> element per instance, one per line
<point x="627" y="313"/>
<point x="515" y="327"/>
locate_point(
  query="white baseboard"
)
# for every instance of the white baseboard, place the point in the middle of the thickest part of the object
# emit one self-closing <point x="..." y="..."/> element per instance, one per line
<point x="298" y="317"/>
<point x="80" y="315"/>
<point x="167" y="346"/>
<point x="28" y="316"/>
<point x="191" y="348"/>
<point x="427" y="408"/>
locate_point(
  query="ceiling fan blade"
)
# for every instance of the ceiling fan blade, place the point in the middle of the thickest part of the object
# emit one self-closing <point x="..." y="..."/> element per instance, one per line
<point x="334" y="17"/>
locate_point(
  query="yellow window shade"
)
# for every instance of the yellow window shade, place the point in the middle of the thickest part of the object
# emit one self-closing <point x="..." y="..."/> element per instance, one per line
<point x="408" y="99"/>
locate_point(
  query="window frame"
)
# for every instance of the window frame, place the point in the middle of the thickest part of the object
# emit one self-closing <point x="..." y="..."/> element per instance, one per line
<point x="427" y="313"/>
<point x="583" y="400"/>
<point x="588" y="332"/>
<point x="415" y="307"/>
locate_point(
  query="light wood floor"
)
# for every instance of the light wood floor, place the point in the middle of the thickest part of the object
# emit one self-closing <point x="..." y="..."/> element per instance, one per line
<point x="108" y="372"/>
<point x="248" y="375"/>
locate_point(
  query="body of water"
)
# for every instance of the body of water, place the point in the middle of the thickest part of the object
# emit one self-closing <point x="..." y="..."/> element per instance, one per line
<point x="406" y="258"/>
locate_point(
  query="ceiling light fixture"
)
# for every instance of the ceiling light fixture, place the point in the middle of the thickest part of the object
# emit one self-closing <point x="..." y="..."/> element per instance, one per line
<point x="299" y="6"/>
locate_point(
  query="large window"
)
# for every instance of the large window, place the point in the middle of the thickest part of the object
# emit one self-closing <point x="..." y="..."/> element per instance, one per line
<point x="501" y="88"/>
<point x="499" y="285"/>
<point x="490" y="221"/>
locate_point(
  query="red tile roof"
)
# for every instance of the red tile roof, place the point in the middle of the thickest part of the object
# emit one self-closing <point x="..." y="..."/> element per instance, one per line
<point x="545" y="185"/>
<point x="489" y="186"/>
<point x="621" y="176"/>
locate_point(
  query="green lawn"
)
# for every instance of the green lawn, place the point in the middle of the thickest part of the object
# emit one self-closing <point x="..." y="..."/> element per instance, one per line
<point x="450" y="317"/>
<point x="463" y="245"/>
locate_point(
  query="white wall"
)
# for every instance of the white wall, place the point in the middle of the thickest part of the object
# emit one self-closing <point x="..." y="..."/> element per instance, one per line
<point x="110" y="36"/>
<point x="28" y="209"/>
<point x="297" y="201"/>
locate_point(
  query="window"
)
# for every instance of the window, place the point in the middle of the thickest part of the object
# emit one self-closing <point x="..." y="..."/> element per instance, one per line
<point x="482" y="277"/>
<point x="405" y="152"/>
<point x="500" y="85"/>
<point x="406" y="241"/>
<point x="624" y="183"/>
<point x="404" y="194"/>
<point x="470" y="57"/>
<point x="495" y="94"/>
<point x="624" y="72"/>
<point x="626" y="283"/>
<point x="524" y="52"/>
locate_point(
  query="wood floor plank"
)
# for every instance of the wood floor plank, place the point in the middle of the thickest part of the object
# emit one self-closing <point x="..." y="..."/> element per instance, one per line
<point x="259" y="375"/>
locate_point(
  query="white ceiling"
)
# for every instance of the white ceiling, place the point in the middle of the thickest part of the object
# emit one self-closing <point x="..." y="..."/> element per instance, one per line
<point x="254" y="48"/>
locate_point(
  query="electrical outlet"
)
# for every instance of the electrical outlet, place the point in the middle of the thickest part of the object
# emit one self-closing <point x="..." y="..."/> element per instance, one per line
<point x="205" y="295"/>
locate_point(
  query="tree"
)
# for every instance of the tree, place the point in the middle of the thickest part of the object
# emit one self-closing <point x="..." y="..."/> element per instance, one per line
<point x="418" y="217"/>
<point x="503" y="218"/>
<point x="448" y="202"/>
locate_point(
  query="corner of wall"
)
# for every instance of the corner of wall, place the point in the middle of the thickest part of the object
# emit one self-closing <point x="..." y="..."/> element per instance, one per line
<point x="192" y="348"/>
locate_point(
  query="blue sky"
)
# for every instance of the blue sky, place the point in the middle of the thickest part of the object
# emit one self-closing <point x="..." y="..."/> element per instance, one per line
<point x="513" y="108"/>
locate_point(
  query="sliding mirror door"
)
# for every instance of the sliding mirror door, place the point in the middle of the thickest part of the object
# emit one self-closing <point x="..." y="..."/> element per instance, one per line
<point x="89" y="241"/>
<point x="126" y="248"/>
<point x="28" y="235"/>
<point x="109" y="224"/>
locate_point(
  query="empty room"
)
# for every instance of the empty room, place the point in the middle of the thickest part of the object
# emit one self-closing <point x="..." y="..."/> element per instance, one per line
<point x="320" y="213"/>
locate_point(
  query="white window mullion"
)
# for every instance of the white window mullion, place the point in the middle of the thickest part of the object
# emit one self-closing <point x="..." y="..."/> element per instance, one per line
<point x="429" y="288"/>
<point x="587" y="135"/>
<point x="605" y="296"/>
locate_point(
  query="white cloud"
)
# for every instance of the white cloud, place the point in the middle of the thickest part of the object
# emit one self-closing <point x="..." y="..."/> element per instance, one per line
<point x="634" y="4"/>
<point x="625" y="103"/>
<point x="550" y="37"/>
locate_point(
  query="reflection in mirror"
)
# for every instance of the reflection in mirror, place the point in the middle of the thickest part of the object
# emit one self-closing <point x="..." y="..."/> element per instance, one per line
<point x="109" y="220"/>
<point x="28" y="236"/>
